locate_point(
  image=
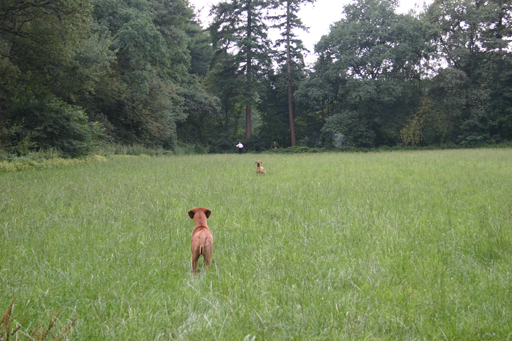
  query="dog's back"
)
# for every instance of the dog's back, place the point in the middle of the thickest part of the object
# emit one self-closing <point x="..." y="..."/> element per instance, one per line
<point x="202" y="241"/>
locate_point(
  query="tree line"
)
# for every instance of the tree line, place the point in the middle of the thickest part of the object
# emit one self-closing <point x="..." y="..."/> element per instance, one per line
<point x="76" y="74"/>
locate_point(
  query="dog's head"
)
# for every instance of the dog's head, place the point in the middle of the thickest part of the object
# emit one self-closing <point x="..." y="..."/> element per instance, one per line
<point x="258" y="163"/>
<point x="193" y="212"/>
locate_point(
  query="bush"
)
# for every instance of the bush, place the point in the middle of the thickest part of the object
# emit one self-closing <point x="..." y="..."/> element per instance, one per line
<point x="51" y="123"/>
<point x="255" y="144"/>
<point x="227" y="144"/>
<point x="189" y="149"/>
<point x="133" y="149"/>
<point x="33" y="161"/>
<point x="20" y="147"/>
<point x="223" y="144"/>
<point x="384" y="148"/>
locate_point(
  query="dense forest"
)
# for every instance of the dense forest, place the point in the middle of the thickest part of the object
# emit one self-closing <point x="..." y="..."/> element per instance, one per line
<point x="79" y="74"/>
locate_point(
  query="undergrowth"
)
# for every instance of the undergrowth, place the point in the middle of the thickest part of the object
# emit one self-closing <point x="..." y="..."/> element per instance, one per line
<point x="33" y="163"/>
<point x="12" y="329"/>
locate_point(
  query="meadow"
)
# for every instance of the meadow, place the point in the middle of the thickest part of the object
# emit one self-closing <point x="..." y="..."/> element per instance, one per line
<point x="412" y="245"/>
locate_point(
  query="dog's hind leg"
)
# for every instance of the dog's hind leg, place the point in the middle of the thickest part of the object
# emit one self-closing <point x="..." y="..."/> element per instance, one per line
<point x="207" y="253"/>
<point x="195" y="260"/>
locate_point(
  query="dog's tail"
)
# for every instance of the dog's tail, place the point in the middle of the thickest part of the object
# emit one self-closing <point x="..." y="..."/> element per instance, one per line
<point x="205" y="249"/>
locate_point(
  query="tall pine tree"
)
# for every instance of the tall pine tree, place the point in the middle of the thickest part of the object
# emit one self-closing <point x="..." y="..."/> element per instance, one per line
<point x="239" y="27"/>
<point x="287" y="22"/>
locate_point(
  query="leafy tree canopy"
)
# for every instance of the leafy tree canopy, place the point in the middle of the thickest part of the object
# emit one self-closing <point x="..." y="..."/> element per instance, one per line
<point x="367" y="67"/>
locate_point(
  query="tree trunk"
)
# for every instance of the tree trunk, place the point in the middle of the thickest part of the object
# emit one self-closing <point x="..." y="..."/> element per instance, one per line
<point x="248" y="121"/>
<point x="289" y="69"/>
<point x="248" y="74"/>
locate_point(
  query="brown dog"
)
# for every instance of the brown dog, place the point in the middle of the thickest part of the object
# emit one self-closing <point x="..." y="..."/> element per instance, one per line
<point x="201" y="242"/>
<point x="259" y="169"/>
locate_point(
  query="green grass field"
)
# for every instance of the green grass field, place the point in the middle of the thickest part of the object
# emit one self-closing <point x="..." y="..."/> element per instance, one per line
<point x="342" y="246"/>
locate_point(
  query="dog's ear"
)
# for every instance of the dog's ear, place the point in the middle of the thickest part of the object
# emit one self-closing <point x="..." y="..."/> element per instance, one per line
<point x="207" y="212"/>
<point x="191" y="213"/>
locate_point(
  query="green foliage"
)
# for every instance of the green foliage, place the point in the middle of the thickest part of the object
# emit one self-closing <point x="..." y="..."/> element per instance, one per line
<point x="153" y="44"/>
<point x="287" y="21"/>
<point x="255" y="144"/>
<point x="87" y="71"/>
<point x="428" y="125"/>
<point x="49" y="57"/>
<point x="368" y="67"/>
<point x="125" y="63"/>
<point x="24" y="146"/>
<point x="37" y="39"/>
<point x="472" y="41"/>
<point x="500" y="115"/>
<point x="9" y="143"/>
<point x="203" y="111"/>
<point x="349" y="124"/>
<point x="149" y="75"/>
<point x="148" y="107"/>
<point x="273" y="109"/>
<point x="51" y="123"/>
<point x="298" y="150"/>
<point x="241" y="27"/>
<point x="36" y="161"/>
<point x="201" y="50"/>
<point x="112" y="149"/>
<point x="225" y="83"/>
<point x="373" y="42"/>
<point x="223" y="144"/>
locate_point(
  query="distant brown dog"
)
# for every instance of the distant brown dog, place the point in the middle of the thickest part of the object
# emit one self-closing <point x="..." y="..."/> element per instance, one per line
<point x="201" y="242"/>
<point x="259" y="169"/>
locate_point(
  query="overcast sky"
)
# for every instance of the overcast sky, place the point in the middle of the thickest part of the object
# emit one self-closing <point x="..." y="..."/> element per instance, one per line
<point x="318" y="17"/>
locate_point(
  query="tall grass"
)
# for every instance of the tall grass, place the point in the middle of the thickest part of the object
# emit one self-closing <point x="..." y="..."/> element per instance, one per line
<point x="380" y="246"/>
